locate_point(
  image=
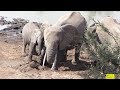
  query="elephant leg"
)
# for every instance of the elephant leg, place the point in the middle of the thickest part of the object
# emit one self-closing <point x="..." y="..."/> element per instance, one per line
<point x="41" y="57"/>
<point x="55" y="63"/>
<point x="40" y="46"/>
<point x="77" y="55"/>
<point x="39" y="49"/>
<point x="34" y="50"/>
<point x="31" y="49"/>
<point x="62" y="55"/>
<point x="24" y="48"/>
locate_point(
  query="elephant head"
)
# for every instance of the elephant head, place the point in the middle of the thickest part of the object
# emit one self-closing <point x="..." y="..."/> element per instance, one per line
<point x="58" y="38"/>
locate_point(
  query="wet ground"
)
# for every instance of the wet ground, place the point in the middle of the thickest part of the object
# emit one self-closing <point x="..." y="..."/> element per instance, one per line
<point x="14" y="66"/>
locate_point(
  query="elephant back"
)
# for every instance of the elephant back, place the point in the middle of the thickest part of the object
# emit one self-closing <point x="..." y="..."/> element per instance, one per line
<point x="67" y="36"/>
<point x="75" y="19"/>
<point x="28" y="30"/>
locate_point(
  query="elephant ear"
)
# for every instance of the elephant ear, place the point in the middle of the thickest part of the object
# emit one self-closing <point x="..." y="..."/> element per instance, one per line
<point x="67" y="36"/>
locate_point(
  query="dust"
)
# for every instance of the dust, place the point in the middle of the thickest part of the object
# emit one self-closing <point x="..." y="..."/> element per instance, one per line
<point x="13" y="66"/>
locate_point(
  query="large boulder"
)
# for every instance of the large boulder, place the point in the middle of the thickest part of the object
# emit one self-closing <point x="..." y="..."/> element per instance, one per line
<point x="105" y="42"/>
<point x="112" y="35"/>
<point x="108" y="31"/>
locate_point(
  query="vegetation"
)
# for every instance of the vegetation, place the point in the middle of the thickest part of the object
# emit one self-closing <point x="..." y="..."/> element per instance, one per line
<point x="106" y="58"/>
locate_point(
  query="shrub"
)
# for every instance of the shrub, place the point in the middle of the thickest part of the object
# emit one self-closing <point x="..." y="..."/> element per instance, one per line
<point x="106" y="58"/>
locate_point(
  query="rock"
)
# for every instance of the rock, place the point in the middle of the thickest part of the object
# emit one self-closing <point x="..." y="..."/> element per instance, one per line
<point x="112" y="26"/>
<point x="107" y="33"/>
<point x="16" y="24"/>
<point x="3" y="27"/>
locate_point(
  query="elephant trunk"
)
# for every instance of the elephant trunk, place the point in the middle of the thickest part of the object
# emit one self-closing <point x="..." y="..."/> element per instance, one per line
<point x="51" y="51"/>
<point x="40" y="44"/>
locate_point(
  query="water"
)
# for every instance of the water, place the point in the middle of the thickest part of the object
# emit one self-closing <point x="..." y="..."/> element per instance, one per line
<point x="39" y="16"/>
<point x="52" y="16"/>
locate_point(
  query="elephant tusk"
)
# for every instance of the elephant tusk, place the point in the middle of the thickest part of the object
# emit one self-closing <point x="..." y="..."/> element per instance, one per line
<point x="44" y="60"/>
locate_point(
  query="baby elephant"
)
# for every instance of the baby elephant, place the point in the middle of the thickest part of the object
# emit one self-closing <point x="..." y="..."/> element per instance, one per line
<point x="32" y="34"/>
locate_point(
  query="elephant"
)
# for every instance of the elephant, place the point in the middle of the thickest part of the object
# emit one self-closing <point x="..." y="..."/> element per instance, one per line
<point x="79" y="22"/>
<point x="32" y="34"/>
<point x="55" y="41"/>
<point x="69" y="32"/>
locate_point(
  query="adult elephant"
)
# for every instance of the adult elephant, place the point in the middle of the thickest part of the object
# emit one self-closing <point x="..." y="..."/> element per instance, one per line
<point x="67" y="32"/>
<point x="79" y="22"/>
<point x="32" y="35"/>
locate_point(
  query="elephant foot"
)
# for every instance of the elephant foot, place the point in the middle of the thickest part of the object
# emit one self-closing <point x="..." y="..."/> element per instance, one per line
<point x="24" y="55"/>
<point x="54" y="69"/>
<point x="42" y="68"/>
<point x="75" y="62"/>
<point x="34" y="64"/>
<point x="29" y="59"/>
<point x="62" y="63"/>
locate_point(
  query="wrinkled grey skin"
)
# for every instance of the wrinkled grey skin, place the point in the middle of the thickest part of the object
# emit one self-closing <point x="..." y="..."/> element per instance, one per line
<point x="66" y="32"/>
<point x="57" y="39"/>
<point x="79" y="22"/>
<point x="32" y="34"/>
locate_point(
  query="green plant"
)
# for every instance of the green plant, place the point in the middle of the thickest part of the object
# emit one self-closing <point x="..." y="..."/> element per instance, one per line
<point x="107" y="57"/>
